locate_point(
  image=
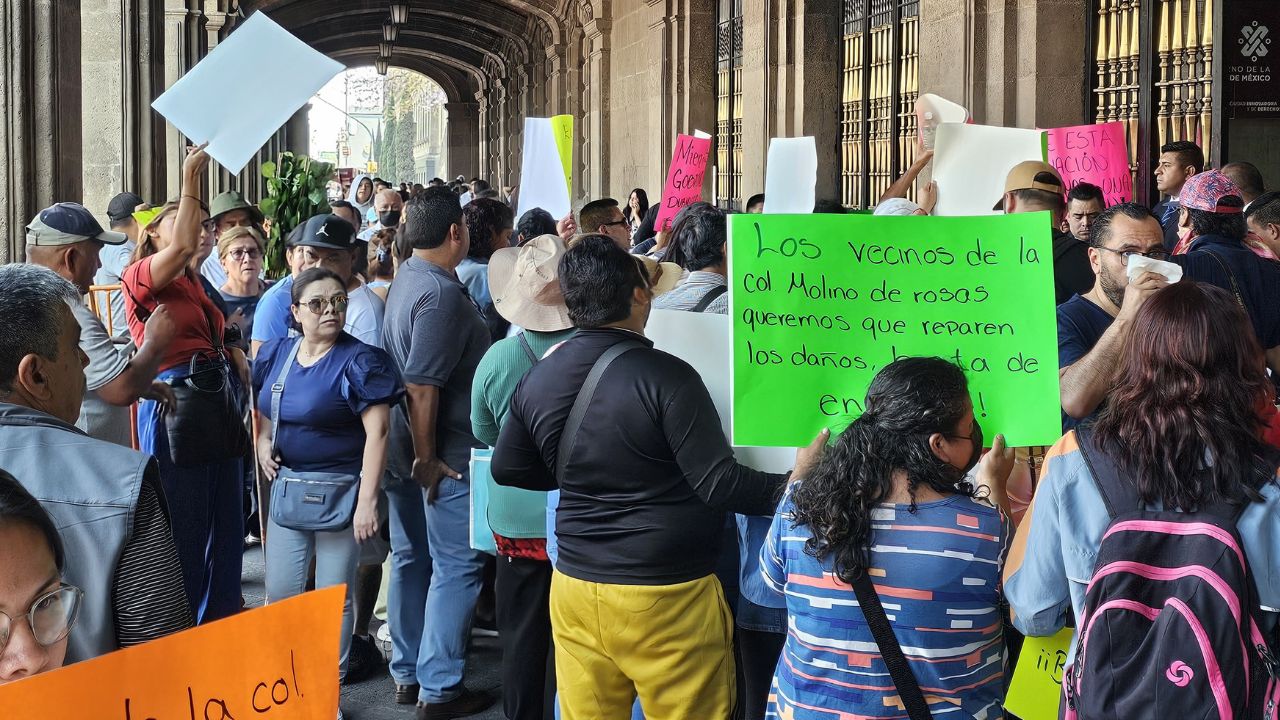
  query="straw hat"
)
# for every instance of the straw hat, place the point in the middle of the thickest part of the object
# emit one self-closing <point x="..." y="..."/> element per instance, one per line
<point x="669" y="274"/>
<point x="525" y="285"/>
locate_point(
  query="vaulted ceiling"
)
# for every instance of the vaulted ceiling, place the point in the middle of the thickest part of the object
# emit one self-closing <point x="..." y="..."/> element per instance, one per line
<point x="449" y="41"/>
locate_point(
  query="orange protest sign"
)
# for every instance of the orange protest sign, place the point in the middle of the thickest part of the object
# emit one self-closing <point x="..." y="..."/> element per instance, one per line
<point x="279" y="662"/>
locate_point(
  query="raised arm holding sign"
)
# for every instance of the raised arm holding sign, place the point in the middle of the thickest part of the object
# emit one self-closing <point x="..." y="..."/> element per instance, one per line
<point x="821" y="302"/>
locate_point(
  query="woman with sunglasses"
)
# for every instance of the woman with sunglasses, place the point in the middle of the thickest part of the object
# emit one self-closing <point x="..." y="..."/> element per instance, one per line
<point x="199" y="443"/>
<point x="37" y="610"/>
<point x="331" y="397"/>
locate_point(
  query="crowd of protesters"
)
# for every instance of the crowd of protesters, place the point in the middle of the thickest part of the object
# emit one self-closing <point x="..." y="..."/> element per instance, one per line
<point x="640" y="569"/>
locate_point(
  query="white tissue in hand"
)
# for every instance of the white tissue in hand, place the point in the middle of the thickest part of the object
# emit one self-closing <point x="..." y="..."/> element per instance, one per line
<point x="1139" y="264"/>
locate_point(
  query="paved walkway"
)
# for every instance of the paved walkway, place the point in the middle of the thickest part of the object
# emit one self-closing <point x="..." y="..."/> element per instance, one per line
<point x="372" y="699"/>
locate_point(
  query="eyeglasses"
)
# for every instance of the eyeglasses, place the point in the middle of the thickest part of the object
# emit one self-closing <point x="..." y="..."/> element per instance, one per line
<point x="51" y="616"/>
<point x="241" y="253"/>
<point x="318" y="306"/>
<point x="615" y="222"/>
<point x="1124" y="254"/>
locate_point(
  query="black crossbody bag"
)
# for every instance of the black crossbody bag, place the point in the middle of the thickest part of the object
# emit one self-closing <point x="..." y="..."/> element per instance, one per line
<point x="207" y="425"/>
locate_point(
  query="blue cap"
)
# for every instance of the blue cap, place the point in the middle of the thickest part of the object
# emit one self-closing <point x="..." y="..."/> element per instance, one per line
<point x="68" y="223"/>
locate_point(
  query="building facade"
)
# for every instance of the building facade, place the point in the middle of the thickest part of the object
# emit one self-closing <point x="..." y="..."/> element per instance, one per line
<point x="635" y="73"/>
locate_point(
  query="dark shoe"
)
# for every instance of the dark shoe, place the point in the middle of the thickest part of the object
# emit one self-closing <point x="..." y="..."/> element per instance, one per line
<point x="407" y="694"/>
<point x="468" y="703"/>
<point x="484" y="626"/>
<point x="363" y="660"/>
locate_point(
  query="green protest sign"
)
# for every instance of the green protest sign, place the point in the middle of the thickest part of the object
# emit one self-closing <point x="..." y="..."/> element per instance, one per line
<point x="820" y="303"/>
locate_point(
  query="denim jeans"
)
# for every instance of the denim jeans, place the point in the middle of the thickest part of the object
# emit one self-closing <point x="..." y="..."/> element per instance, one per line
<point x="206" y="513"/>
<point x="434" y="574"/>
<point x="289" y="554"/>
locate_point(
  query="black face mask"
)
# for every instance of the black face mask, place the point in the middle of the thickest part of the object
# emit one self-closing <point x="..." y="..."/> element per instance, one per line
<point x="389" y="218"/>
<point x="975" y="437"/>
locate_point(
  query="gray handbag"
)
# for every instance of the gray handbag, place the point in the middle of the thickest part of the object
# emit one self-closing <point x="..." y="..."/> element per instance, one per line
<point x="308" y="500"/>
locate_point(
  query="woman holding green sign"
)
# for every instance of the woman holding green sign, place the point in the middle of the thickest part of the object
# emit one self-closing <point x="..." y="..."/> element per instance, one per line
<point x="888" y="515"/>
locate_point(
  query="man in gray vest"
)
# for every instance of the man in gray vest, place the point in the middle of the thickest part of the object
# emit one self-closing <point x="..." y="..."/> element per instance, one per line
<point x="105" y="499"/>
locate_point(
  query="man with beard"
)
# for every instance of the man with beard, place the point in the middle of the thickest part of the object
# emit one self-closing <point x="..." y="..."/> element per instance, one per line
<point x="1093" y="328"/>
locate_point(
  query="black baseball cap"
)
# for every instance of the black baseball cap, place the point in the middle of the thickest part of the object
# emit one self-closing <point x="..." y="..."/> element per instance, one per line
<point x="122" y="206"/>
<point x="327" y="231"/>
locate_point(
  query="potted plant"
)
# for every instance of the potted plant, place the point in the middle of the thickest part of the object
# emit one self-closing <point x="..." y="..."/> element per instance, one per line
<point x="295" y="192"/>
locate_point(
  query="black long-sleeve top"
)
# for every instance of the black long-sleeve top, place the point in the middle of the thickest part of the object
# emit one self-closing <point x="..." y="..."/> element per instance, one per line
<point x="650" y="475"/>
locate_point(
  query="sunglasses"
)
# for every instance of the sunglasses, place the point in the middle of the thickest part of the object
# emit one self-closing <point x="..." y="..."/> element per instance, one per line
<point x="241" y="253"/>
<point x="51" y="616"/>
<point x="318" y="306"/>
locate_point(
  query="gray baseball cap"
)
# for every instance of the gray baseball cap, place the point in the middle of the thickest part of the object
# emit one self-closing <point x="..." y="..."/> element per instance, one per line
<point x="68" y="223"/>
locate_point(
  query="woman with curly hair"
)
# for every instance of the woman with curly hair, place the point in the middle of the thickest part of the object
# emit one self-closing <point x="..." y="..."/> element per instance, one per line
<point x="890" y="500"/>
<point x="489" y="224"/>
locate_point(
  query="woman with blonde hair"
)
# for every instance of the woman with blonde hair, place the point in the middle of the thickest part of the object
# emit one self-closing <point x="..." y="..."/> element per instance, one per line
<point x="199" y="443"/>
<point x="240" y="250"/>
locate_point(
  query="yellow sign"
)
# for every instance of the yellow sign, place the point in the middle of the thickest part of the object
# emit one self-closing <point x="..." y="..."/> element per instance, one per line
<point x="371" y="166"/>
<point x="562" y="130"/>
<point x="1037" y="681"/>
<point x="278" y="662"/>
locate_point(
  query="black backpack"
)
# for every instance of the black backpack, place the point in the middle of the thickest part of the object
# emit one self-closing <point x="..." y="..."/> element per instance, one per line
<point x="1170" y="622"/>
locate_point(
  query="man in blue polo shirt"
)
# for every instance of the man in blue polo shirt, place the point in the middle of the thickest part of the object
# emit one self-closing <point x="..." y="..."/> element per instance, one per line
<point x="271" y="319"/>
<point x="1094" y="327"/>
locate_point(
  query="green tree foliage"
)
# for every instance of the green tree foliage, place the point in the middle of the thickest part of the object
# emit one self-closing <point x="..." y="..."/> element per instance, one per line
<point x="406" y="136"/>
<point x="295" y="192"/>
<point x="388" y="165"/>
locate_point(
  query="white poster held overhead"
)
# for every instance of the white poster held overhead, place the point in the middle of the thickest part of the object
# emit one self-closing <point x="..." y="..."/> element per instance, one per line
<point x="542" y="171"/>
<point x="970" y="163"/>
<point x="703" y="340"/>
<point x="791" y="176"/>
<point x="247" y="88"/>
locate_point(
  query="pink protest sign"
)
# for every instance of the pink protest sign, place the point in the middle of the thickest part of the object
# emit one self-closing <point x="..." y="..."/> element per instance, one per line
<point x="684" y="178"/>
<point x="1094" y="154"/>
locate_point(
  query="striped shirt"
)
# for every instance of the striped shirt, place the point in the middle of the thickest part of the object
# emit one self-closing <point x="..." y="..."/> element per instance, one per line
<point x="937" y="571"/>
<point x="149" y="598"/>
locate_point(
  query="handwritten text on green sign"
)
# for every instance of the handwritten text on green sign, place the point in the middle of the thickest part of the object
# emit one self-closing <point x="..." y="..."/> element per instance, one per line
<point x="822" y="302"/>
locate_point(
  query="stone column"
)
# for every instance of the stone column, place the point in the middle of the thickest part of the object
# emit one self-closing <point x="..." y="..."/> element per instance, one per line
<point x="767" y="97"/>
<point x="39" y="113"/>
<point x="298" y="132"/>
<point x="816" y="50"/>
<point x="184" y="45"/>
<point x="123" y="138"/>
<point x="556" y="99"/>
<point x="664" y="111"/>
<point x="1016" y="63"/>
<point x="481" y="169"/>
<point x="596" y="163"/>
<point x="498" y="134"/>
<point x="462" y="153"/>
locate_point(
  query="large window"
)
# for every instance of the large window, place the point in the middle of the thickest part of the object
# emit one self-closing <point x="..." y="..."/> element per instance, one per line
<point x="729" y="104"/>
<point x="880" y="69"/>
